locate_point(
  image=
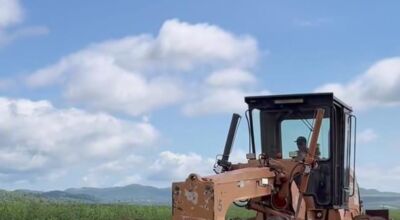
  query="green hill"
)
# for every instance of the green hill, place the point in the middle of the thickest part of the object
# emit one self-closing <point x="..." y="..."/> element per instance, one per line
<point x="147" y="195"/>
<point x="136" y="194"/>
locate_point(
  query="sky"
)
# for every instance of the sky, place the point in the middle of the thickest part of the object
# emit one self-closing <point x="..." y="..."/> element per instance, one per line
<point x="106" y="93"/>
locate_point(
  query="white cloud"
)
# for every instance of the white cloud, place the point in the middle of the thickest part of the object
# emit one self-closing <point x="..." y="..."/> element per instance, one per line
<point x="220" y="100"/>
<point x="37" y="138"/>
<point x="238" y="156"/>
<point x="133" y="75"/>
<point x="170" y="166"/>
<point x="378" y="86"/>
<point x="107" y="87"/>
<point x="121" y="171"/>
<point x="378" y="177"/>
<point x="10" y="13"/>
<point x="185" y="45"/>
<point x="367" y="136"/>
<point x="217" y="101"/>
<point x="174" y="166"/>
<point x="138" y="74"/>
<point x="231" y="77"/>
<point x="158" y="169"/>
<point x="223" y="92"/>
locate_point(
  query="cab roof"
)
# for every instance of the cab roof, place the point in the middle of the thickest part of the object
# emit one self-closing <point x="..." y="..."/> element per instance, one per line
<point x="309" y="99"/>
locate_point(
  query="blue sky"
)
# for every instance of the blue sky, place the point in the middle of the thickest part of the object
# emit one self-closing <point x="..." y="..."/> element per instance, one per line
<point x="112" y="93"/>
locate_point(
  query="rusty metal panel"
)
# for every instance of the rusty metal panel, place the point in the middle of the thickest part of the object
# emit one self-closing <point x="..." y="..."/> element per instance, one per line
<point x="200" y="198"/>
<point x="193" y="200"/>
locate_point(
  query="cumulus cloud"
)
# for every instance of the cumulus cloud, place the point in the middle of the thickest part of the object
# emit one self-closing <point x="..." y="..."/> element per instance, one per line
<point x="378" y="86"/>
<point x="231" y="77"/>
<point x="175" y="166"/>
<point x="138" y="74"/>
<point x="159" y="169"/>
<point x="170" y="166"/>
<point x="11" y="14"/>
<point x="154" y="169"/>
<point x="36" y="137"/>
<point x="223" y="92"/>
<point x="216" y="100"/>
<point x="185" y="45"/>
<point x="383" y="178"/>
<point x="198" y="65"/>
<point x="122" y="171"/>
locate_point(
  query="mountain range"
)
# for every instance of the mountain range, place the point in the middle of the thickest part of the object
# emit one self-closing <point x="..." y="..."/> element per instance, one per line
<point x="148" y="195"/>
<point x="134" y="194"/>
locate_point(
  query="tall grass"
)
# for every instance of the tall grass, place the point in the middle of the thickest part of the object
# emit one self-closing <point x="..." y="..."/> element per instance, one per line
<point x="36" y="209"/>
<point x="43" y="210"/>
<point x="395" y="214"/>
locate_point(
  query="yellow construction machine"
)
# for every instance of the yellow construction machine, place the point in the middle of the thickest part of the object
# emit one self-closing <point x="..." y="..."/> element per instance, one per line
<point x="305" y="168"/>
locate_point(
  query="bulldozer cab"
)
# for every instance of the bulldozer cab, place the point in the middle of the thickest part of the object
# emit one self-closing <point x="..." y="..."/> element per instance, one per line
<point x="281" y="126"/>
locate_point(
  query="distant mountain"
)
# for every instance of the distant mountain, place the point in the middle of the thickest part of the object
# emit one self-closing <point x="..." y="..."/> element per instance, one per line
<point x="374" y="192"/>
<point x="127" y="194"/>
<point x="63" y="196"/>
<point x="373" y="198"/>
<point x="133" y="194"/>
<point x="147" y="195"/>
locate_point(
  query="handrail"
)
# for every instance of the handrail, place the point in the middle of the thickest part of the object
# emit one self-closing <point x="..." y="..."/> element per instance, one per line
<point x="355" y="151"/>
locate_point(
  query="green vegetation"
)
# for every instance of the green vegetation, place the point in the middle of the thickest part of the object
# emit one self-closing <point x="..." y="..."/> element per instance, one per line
<point x="395" y="214"/>
<point x="69" y="211"/>
<point x="23" y="207"/>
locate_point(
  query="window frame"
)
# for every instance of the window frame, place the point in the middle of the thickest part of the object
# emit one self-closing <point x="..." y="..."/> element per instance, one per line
<point x="328" y="115"/>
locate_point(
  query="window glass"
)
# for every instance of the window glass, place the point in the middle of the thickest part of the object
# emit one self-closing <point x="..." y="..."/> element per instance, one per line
<point x="256" y="128"/>
<point x="294" y="130"/>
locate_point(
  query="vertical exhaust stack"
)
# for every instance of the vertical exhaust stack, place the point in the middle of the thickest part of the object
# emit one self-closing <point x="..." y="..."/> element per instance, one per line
<point x="224" y="161"/>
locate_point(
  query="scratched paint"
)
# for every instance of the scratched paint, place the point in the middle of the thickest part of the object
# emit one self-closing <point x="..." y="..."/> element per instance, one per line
<point x="192" y="196"/>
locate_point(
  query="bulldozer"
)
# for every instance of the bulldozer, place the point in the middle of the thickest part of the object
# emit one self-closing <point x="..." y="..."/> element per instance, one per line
<point x="300" y="165"/>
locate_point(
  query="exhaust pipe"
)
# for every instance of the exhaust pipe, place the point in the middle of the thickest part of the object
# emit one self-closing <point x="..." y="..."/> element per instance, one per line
<point x="224" y="161"/>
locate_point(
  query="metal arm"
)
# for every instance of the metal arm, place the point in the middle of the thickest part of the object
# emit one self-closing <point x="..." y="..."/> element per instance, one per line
<point x="310" y="159"/>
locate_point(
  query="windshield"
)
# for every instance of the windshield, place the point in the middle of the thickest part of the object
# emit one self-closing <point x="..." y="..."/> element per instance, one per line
<point x="286" y="133"/>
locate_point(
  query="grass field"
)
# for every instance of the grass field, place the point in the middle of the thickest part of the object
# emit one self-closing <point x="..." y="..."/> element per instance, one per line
<point x="395" y="215"/>
<point x="42" y="210"/>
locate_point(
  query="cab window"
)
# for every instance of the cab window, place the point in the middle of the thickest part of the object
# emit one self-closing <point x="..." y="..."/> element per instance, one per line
<point x="292" y="132"/>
